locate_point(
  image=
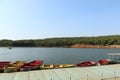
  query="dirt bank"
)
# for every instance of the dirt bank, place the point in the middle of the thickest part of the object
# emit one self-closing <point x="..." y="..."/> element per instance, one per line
<point x="94" y="46"/>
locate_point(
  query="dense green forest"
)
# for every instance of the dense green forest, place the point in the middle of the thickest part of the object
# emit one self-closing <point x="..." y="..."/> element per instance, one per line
<point x="63" y="42"/>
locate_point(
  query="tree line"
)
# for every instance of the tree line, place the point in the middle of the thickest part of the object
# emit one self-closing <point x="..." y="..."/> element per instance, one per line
<point x="62" y="42"/>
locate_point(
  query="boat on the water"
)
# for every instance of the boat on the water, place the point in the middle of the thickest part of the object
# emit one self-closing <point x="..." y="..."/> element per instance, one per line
<point x="33" y="65"/>
<point x="86" y="64"/>
<point x="9" y="47"/>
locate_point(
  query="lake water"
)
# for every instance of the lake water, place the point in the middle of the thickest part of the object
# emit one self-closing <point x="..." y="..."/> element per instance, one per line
<point x="55" y="55"/>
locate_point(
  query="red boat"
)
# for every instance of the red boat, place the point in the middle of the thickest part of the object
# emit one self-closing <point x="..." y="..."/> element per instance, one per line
<point x="87" y="63"/>
<point x="103" y="62"/>
<point x="3" y="64"/>
<point x="31" y="65"/>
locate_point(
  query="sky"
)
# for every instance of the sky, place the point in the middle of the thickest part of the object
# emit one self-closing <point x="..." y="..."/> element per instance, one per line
<point x="39" y="19"/>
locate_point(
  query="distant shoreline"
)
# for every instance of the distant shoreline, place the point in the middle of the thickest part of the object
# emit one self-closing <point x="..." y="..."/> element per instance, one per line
<point x="68" y="42"/>
<point x="75" y="46"/>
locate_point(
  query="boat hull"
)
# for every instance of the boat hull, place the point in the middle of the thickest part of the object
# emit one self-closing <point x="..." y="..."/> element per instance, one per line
<point x="10" y="69"/>
<point x="27" y="68"/>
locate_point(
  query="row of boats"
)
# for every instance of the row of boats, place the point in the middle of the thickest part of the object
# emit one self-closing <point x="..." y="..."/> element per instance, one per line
<point x="7" y="67"/>
<point x="38" y="64"/>
<point x="91" y="63"/>
<point x="19" y="66"/>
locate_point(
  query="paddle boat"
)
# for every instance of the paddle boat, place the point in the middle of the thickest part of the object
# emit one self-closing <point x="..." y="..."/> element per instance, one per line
<point x="56" y="66"/>
<point x="33" y="65"/>
<point x="86" y="64"/>
<point x="14" y="67"/>
<point x="104" y="62"/>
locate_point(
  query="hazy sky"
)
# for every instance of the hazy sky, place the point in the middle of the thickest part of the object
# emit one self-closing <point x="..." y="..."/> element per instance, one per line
<point x="37" y="19"/>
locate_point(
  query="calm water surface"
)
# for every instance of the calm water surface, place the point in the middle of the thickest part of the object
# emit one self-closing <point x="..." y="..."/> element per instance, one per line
<point x="55" y="55"/>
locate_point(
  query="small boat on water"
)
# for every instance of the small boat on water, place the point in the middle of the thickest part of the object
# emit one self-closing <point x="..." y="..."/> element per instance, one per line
<point x="33" y="65"/>
<point x="86" y="64"/>
<point x="9" y="47"/>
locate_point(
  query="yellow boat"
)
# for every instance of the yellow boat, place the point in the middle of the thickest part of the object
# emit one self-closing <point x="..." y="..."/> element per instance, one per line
<point x="47" y="66"/>
<point x="56" y="66"/>
<point x="63" y="65"/>
<point x="68" y="65"/>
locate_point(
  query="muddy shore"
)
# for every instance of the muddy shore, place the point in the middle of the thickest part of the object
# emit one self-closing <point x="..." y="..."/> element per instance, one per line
<point x="94" y="46"/>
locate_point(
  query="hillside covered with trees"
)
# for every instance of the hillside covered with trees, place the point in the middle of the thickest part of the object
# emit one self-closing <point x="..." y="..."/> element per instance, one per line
<point x="63" y="42"/>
